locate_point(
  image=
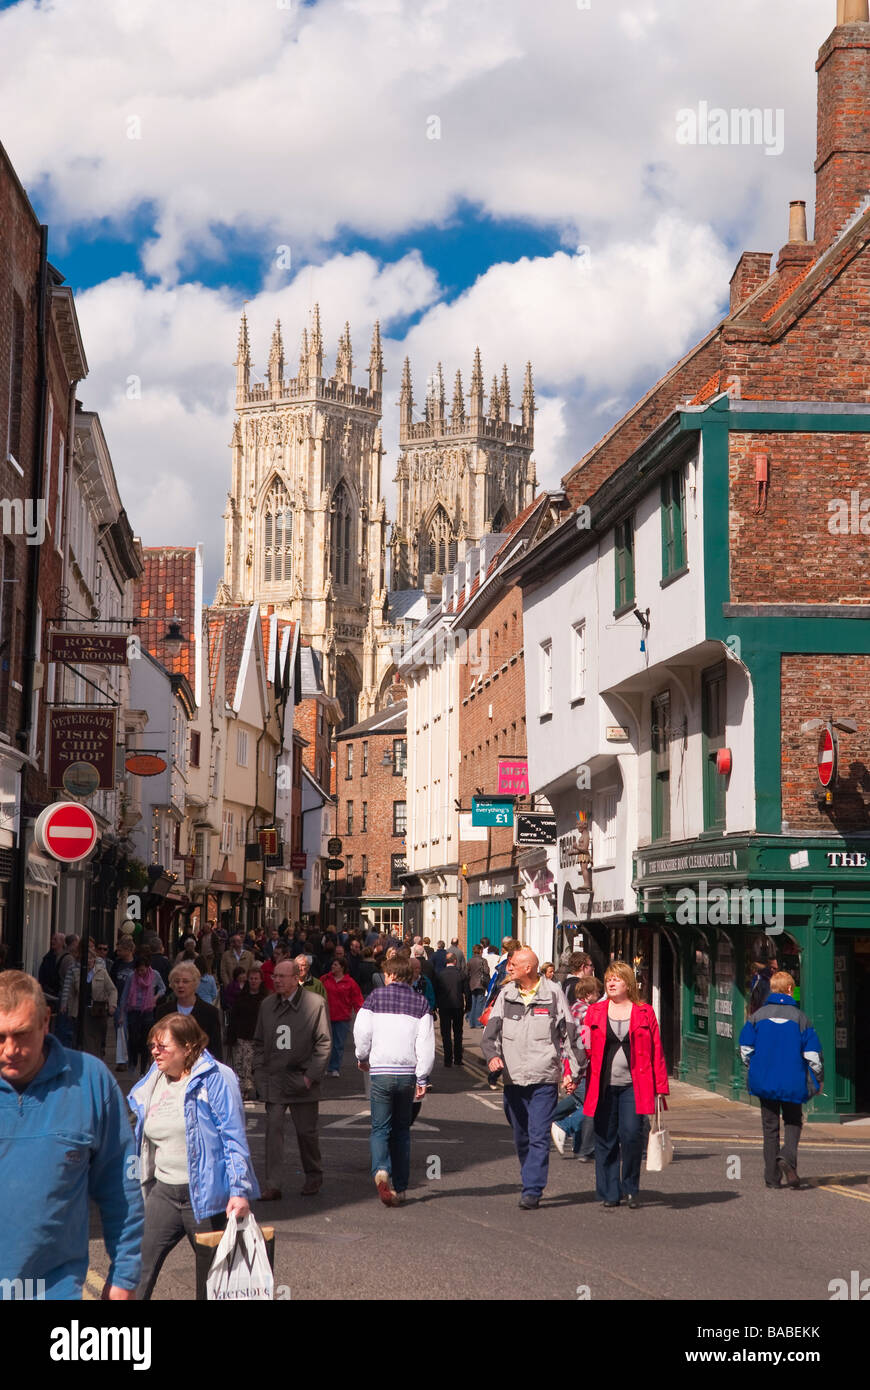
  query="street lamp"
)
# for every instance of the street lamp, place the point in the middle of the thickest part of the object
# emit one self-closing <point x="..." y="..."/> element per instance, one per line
<point x="173" y="639"/>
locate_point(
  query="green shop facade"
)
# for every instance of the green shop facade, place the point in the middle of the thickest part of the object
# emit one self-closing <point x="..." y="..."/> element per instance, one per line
<point x="801" y="898"/>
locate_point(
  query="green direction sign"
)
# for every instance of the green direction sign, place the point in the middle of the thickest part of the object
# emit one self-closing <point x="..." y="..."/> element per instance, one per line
<point x="492" y="810"/>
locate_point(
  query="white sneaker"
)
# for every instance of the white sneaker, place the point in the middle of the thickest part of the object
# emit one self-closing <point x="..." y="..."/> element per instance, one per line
<point x="558" y="1136"/>
<point x="333" y="1073"/>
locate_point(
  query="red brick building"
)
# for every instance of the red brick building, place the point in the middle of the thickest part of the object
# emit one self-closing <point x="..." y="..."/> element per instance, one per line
<point x="371" y="819"/>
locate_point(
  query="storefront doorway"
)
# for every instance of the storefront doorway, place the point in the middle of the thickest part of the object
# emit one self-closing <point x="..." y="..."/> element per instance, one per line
<point x="861" y="976"/>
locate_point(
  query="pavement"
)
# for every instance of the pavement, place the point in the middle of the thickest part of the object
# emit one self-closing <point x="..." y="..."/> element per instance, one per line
<point x="707" y="1227"/>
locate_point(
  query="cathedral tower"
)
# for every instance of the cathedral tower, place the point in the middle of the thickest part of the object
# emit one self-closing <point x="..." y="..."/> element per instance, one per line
<point x="305" y="522"/>
<point x="461" y="471"/>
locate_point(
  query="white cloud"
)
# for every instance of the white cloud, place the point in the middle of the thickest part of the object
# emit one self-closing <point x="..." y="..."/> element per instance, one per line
<point x="292" y="123"/>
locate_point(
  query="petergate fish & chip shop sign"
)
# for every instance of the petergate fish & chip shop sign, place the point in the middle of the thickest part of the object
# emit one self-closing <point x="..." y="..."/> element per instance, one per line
<point x="82" y="735"/>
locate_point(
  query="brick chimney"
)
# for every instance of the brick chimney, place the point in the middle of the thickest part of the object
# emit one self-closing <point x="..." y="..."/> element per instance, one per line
<point x="797" y="253"/>
<point x="753" y="271"/>
<point x="843" y="162"/>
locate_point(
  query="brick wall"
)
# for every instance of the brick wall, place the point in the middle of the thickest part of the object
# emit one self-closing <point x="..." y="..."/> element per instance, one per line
<point x="379" y="789"/>
<point x="814" y="687"/>
<point x="790" y="553"/>
<point x="483" y="739"/>
<point x="305" y="723"/>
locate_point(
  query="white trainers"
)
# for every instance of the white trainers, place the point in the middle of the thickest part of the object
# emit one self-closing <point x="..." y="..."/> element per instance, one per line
<point x="558" y="1136"/>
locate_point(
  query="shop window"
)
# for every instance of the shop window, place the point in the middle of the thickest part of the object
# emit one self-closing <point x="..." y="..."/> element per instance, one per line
<point x="700" y="1015"/>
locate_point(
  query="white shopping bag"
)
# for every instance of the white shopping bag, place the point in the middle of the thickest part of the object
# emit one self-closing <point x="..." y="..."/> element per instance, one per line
<point x="121" y="1058"/>
<point x="240" y="1270"/>
<point x="660" y="1149"/>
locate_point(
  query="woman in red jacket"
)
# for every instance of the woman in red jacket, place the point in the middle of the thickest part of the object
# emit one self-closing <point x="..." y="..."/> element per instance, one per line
<point x="627" y="1071"/>
<point x="342" y="997"/>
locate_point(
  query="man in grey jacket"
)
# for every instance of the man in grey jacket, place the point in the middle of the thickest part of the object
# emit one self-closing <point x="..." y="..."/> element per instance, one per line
<point x="529" y="1037"/>
<point x="292" y="1042"/>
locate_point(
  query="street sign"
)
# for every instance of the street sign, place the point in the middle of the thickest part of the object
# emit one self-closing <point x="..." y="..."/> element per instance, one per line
<point x="66" y="831"/>
<point x="492" y="810"/>
<point x="298" y="860"/>
<point x="536" y="829"/>
<point x="334" y="845"/>
<point x="827" y="758"/>
<point x="335" y="864"/>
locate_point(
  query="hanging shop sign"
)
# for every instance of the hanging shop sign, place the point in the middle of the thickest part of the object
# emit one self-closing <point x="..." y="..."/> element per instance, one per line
<point x="88" y="648"/>
<point x="492" y="810"/>
<point x="82" y="734"/>
<point x="145" y="764"/>
<point x="81" y="779"/>
<point x="398" y="866"/>
<point x="513" y="776"/>
<point x="533" y="829"/>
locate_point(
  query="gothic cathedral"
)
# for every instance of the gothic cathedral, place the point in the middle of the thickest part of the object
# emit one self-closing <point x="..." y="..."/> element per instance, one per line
<point x="305" y="522"/>
<point x="306" y="526"/>
<point x="459" y="475"/>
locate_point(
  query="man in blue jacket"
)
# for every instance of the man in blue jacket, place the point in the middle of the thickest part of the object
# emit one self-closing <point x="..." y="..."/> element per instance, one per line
<point x="64" y="1139"/>
<point x="782" y="1051"/>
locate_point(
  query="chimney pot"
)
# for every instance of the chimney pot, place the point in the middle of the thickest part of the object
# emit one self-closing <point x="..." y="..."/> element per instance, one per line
<point x="797" y="221"/>
<point x="853" y="12"/>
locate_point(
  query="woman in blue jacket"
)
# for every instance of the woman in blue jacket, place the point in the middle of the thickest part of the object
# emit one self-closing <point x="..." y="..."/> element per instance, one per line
<point x="194" y="1162"/>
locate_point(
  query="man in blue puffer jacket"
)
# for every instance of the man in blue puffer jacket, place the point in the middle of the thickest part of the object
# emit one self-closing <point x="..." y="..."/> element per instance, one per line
<point x="782" y="1051"/>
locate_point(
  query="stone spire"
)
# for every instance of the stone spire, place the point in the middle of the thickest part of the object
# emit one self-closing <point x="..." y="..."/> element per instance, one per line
<point x="276" y="362"/>
<point x="494" y="401"/>
<point x="440" y="397"/>
<point x="376" y="360"/>
<point x="315" y="352"/>
<point x="476" y="387"/>
<point x="344" y="358"/>
<point x="303" y="360"/>
<point x="505" y="395"/>
<point x="457" y="412"/>
<point x="406" y="399"/>
<point x="243" y="361"/>
<point x="528" y="399"/>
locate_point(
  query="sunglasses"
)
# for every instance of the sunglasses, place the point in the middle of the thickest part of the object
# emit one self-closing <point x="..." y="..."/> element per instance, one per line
<point x="160" y="1047"/>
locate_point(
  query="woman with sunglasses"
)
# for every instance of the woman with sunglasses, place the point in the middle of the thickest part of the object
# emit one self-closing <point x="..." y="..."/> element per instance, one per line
<point x="195" y="1164"/>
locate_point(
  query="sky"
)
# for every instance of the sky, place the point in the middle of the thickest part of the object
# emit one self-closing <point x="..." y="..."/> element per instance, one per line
<point x="523" y="178"/>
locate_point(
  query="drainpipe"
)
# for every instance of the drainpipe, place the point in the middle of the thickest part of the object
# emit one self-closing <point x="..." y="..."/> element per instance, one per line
<point x="16" y="914"/>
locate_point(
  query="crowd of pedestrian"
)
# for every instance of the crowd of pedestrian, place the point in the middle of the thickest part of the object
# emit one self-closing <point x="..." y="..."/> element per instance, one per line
<point x="579" y="1059"/>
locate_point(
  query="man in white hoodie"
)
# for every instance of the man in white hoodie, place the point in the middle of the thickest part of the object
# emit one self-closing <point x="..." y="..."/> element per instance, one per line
<point x="395" y="1042"/>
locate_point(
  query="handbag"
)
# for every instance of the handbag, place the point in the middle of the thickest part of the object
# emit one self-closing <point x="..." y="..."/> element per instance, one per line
<point x="660" y="1148"/>
<point x="484" y="1017"/>
<point x="240" y="1270"/>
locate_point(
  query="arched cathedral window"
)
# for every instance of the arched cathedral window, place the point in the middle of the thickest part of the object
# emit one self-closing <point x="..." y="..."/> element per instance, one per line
<point x="438" y="548"/>
<point x="341" y="536"/>
<point x="277" y="536"/>
<point x="500" y="521"/>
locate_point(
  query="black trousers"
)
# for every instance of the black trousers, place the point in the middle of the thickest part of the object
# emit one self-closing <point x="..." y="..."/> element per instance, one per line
<point x="452" y="1021"/>
<point x="168" y="1219"/>
<point x="793" y="1118"/>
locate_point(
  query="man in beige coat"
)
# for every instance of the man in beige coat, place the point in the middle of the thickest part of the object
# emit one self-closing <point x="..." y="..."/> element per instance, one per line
<point x="234" y="956"/>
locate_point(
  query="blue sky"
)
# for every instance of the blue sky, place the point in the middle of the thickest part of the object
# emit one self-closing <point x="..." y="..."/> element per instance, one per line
<point x="494" y="174"/>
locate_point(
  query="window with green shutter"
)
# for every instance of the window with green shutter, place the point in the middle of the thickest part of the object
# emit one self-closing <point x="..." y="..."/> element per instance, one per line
<point x="660" y="730"/>
<point x="713" y="688"/>
<point x="674" y="551"/>
<point x="624" y="564"/>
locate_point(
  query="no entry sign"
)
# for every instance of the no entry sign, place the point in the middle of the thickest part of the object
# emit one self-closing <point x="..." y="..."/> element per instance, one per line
<point x="67" y="831"/>
<point x="827" y="759"/>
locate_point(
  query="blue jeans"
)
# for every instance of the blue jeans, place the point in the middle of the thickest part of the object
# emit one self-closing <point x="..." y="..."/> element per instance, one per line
<point x="530" y="1111"/>
<point x="618" y="1133"/>
<point x="477" y="998"/>
<point x="392" y="1106"/>
<point x="339" y="1038"/>
<point x="569" y="1116"/>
